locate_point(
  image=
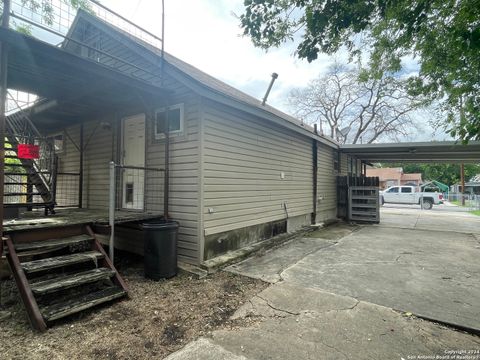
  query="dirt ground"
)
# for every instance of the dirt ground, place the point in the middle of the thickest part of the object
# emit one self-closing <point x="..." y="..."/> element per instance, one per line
<point x="157" y="319"/>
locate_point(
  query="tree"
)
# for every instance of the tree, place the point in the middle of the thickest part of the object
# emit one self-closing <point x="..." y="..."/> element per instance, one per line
<point x="46" y="10"/>
<point x="354" y="108"/>
<point x="442" y="35"/>
<point x="448" y="174"/>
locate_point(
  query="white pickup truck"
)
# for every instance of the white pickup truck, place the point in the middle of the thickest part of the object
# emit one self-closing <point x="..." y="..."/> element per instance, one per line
<point x="408" y="195"/>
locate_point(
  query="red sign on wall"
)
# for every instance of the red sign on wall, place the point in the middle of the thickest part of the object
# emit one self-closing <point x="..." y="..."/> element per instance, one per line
<point x="28" y="151"/>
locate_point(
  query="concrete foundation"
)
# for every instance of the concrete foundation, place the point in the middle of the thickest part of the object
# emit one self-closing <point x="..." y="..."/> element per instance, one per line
<point x="297" y="222"/>
<point x="218" y="244"/>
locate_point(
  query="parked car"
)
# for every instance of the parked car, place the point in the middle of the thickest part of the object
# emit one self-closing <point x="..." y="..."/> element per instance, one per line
<point x="409" y="195"/>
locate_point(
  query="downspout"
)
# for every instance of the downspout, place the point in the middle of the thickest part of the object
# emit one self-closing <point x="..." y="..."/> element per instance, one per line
<point x="315" y="175"/>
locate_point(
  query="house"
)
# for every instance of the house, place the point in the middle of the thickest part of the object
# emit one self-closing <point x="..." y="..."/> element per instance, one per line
<point x="239" y="172"/>
<point x="124" y="133"/>
<point x="394" y="177"/>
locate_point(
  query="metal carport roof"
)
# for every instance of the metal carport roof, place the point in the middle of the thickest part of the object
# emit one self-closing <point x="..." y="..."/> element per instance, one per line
<point x="434" y="151"/>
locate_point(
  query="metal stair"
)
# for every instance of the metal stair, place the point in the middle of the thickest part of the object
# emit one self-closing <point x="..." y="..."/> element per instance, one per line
<point x="61" y="276"/>
<point x="28" y="182"/>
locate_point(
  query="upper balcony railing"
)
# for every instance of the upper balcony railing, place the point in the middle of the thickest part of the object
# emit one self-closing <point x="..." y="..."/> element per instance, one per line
<point x="50" y="20"/>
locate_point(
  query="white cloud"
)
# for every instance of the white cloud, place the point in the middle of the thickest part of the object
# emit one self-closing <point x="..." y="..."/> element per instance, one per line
<point x="206" y="34"/>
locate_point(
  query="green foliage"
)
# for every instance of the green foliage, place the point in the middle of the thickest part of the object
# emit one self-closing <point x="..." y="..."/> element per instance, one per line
<point x="443" y="35"/>
<point x="47" y="12"/>
<point x="448" y="174"/>
<point x="10" y="161"/>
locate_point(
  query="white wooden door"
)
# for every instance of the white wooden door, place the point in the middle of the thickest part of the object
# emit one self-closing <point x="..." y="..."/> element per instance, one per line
<point x="133" y="180"/>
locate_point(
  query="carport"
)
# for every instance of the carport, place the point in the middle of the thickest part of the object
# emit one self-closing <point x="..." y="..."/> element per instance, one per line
<point x="414" y="261"/>
<point x="416" y="152"/>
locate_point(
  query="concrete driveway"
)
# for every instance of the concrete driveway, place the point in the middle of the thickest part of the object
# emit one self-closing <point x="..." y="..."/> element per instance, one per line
<point x="350" y="292"/>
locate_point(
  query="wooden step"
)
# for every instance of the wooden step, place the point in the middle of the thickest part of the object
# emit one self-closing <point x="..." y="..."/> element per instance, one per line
<point x="66" y="282"/>
<point x="22" y="164"/>
<point x="24" y="194"/>
<point x="15" y="173"/>
<point x="25" y="204"/>
<point x="53" y="243"/>
<point x="59" y="310"/>
<point x="60" y="261"/>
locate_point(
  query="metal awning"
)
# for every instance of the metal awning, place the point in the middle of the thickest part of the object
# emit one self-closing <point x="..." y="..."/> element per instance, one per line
<point x="434" y="151"/>
<point x="76" y="87"/>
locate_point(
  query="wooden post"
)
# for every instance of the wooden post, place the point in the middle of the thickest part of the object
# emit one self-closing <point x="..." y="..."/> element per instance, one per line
<point x="462" y="182"/>
<point x="3" y="99"/>
<point x="166" y="183"/>
<point x="80" y="180"/>
<point x="315" y="175"/>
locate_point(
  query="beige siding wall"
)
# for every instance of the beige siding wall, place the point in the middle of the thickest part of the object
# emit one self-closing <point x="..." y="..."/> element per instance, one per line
<point x="243" y="162"/>
<point x="343" y="164"/>
<point x="99" y="151"/>
<point x="326" y="184"/>
<point x="99" y="143"/>
<point x="184" y="175"/>
<point x="184" y="164"/>
<point x="97" y="155"/>
<point x="69" y="162"/>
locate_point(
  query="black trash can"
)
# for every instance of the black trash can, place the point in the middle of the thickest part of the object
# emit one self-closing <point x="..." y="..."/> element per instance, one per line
<point x="160" y="249"/>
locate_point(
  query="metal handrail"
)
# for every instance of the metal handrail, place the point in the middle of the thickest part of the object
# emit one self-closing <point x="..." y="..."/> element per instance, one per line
<point x="25" y="116"/>
<point x="67" y="38"/>
<point x="64" y="13"/>
<point x="126" y="20"/>
<point x="112" y="196"/>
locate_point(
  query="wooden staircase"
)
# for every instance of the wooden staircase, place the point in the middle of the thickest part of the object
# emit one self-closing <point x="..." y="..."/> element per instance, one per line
<point x="60" y="275"/>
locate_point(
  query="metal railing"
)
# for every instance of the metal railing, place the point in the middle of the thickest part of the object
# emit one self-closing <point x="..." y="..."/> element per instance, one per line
<point x="55" y="28"/>
<point x="133" y="188"/>
<point x="67" y="190"/>
<point x="60" y="15"/>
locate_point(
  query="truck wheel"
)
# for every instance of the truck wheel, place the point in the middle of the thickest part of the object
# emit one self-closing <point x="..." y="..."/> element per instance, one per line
<point x="427" y="204"/>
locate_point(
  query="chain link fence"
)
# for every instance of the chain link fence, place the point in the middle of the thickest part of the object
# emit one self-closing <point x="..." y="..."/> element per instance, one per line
<point x="470" y="202"/>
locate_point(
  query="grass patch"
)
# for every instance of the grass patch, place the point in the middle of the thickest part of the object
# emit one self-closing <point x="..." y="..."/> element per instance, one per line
<point x="475" y="212"/>
<point x="468" y="203"/>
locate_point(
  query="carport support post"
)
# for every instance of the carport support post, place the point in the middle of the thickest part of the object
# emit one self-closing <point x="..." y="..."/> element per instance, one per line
<point x="3" y="99"/>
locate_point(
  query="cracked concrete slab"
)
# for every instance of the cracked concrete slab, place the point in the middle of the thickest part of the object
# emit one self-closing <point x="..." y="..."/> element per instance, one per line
<point x="204" y="349"/>
<point x="414" y="218"/>
<point x="313" y="324"/>
<point x="335" y="299"/>
<point x="284" y="298"/>
<point x="268" y="266"/>
<point x="431" y="274"/>
<point x="365" y="332"/>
